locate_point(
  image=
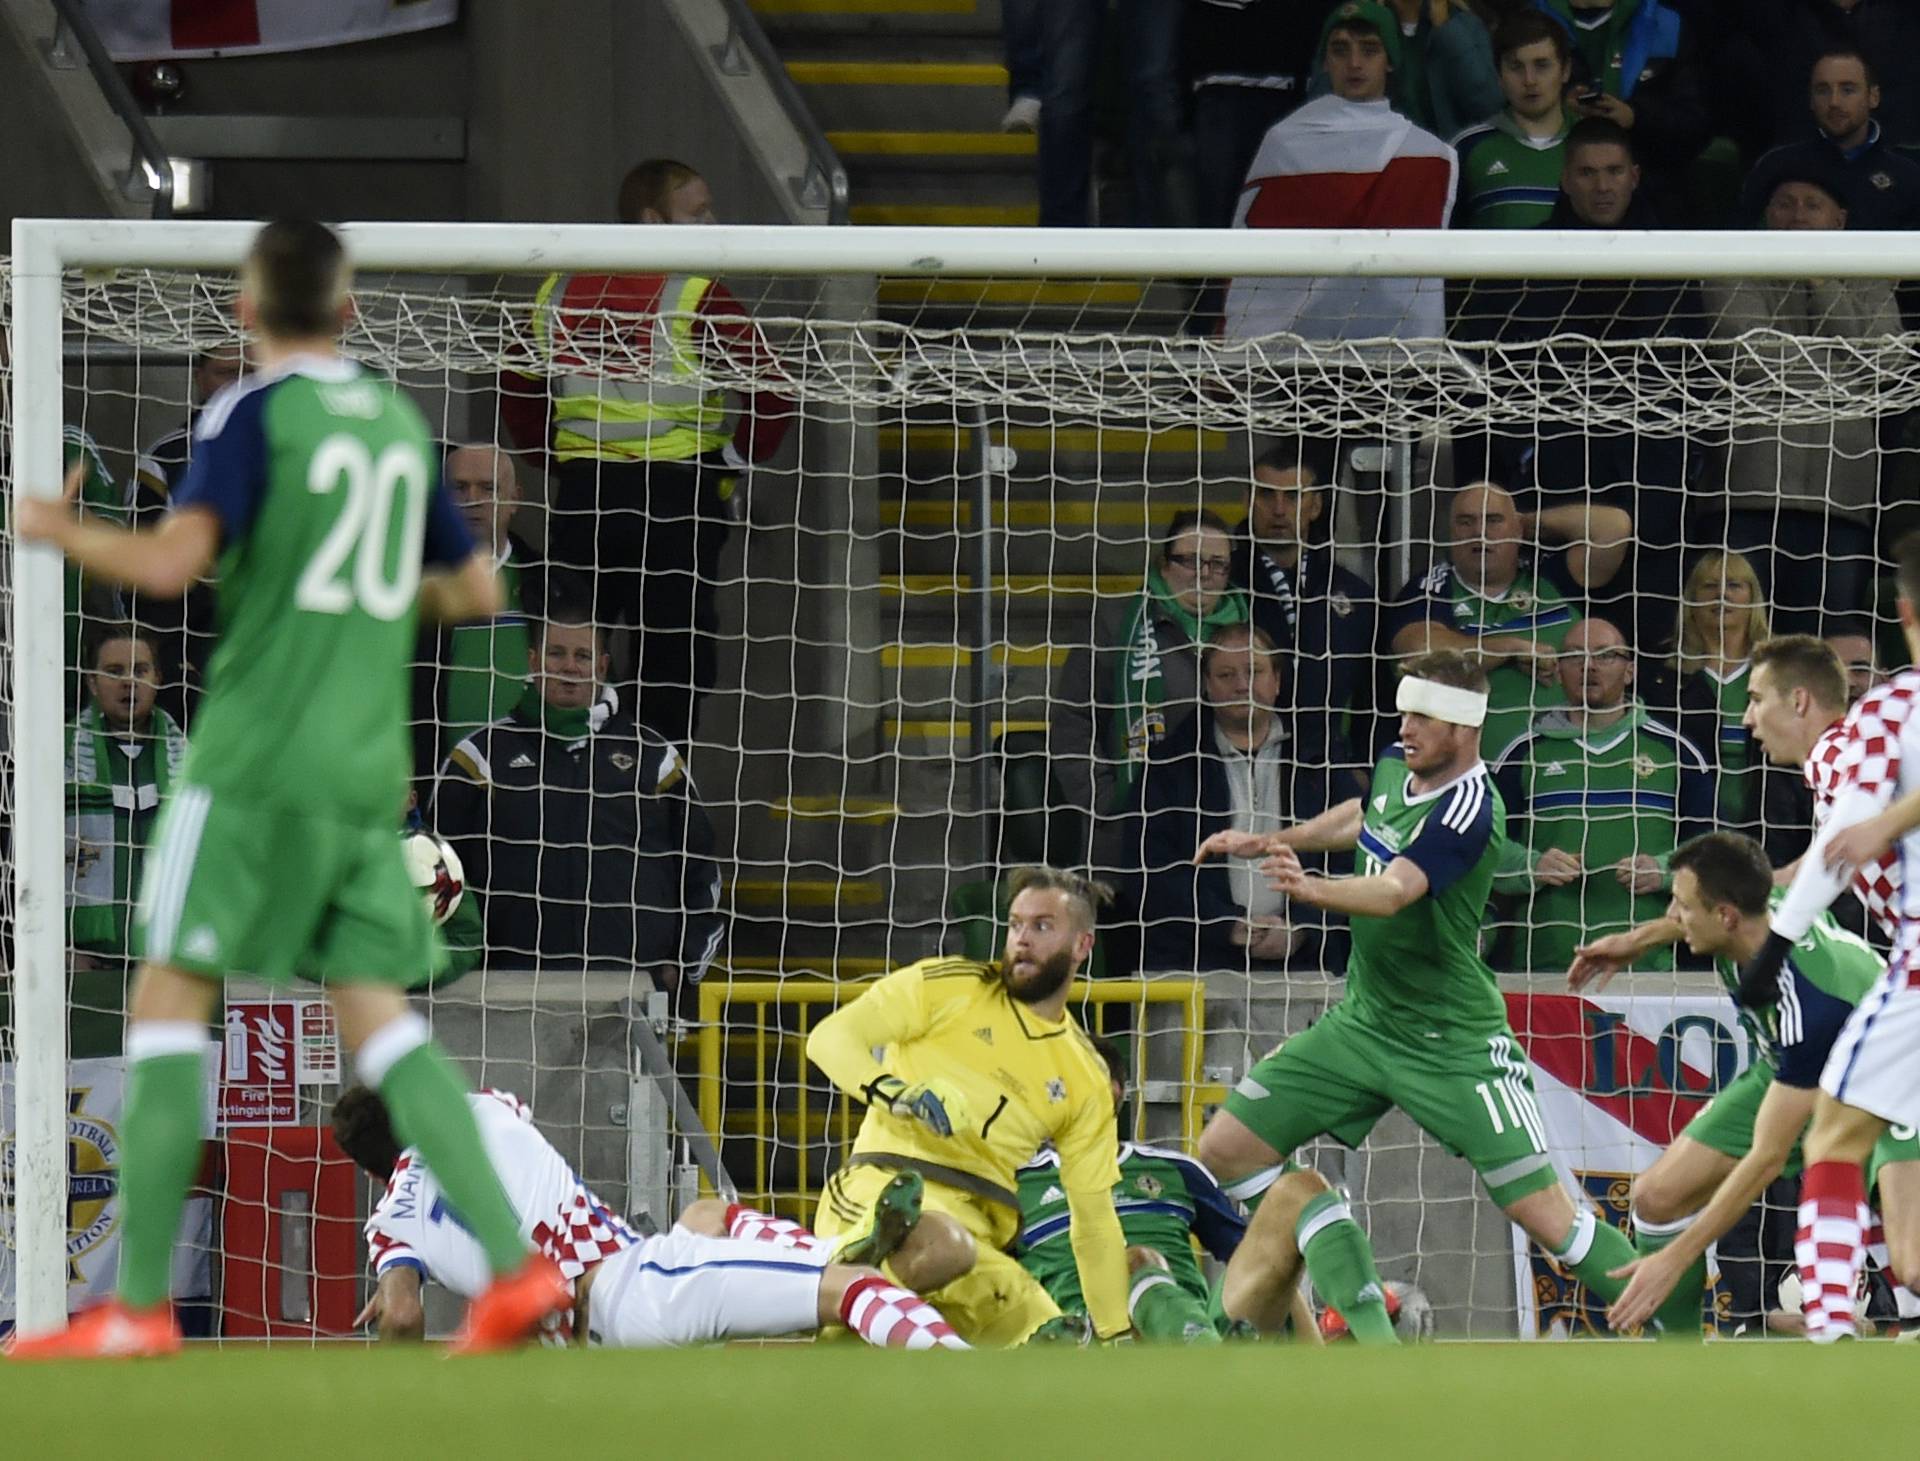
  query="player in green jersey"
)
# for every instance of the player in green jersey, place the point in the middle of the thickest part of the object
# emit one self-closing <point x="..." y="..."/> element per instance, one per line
<point x="1510" y="164"/>
<point x="1600" y="794"/>
<point x="313" y="494"/>
<point x="1749" y="1134"/>
<point x="1423" y="1026"/>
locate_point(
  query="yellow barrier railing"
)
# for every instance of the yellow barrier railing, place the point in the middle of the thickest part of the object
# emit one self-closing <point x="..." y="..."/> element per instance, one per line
<point x="762" y="1020"/>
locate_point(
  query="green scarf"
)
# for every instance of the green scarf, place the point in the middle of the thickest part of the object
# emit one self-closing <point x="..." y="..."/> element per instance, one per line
<point x="1601" y="46"/>
<point x="112" y="801"/>
<point x="567" y="725"/>
<point x="1140" y="674"/>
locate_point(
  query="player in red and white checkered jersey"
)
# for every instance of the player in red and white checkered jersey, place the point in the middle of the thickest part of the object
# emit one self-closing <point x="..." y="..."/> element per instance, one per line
<point x="1872" y="1078"/>
<point x="1797" y="700"/>
<point x="723" y="1272"/>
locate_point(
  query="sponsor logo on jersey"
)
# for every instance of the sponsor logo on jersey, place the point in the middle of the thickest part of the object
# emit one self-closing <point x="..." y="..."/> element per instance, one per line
<point x="1056" y="1090"/>
<point x="1881" y="181"/>
<point x="1522" y="601"/>
<point x="1554" y="768"/>
<point x="1053" y="1194"/>
<point x="1251" y="1089"/>
<point x="522" y="762"/>
<point x="1643" y="765"/>
<point x="352" y="398"/>
<point x="1148" y="1186"/>
<point x="623" y="761"/>
<point x="1498" y="169"/>
<point x="93" y="1181"/>
<point x="984" y="1034"/>
<point x="1380" y="802"/>
<point x="1341" y="605"/>
<point x="202" y="943"/>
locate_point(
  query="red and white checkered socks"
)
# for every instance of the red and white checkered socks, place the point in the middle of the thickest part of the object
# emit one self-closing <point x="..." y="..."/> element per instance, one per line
<point x="1905" y="1301"/>
<point x="1831" y="1246"/>
<point x="893" y="1318"/>
<point x="760" y="1227"/>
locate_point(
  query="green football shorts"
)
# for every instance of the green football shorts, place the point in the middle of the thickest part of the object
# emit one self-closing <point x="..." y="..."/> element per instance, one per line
<point x="1726" y="1125"/>
<point x="230" y="888"/>
<point x="1896" y="1144"/>
<point x="1474" y="1095"/>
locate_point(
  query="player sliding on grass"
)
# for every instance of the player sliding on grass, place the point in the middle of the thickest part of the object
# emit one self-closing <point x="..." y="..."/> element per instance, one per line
<point x="1423" y="1026"/>
<point x="722" y="1272"/>
<point x="1750" y="1132"/>
<point x="1872" y="1079"/>
<point x="981" y="1066"/>
<point x="314" y="492"/>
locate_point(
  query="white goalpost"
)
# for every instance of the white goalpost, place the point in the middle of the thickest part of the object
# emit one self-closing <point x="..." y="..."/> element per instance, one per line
<point x="994" y="430"/>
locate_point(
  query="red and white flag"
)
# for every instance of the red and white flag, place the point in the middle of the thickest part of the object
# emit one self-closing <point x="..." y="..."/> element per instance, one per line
<point x="151" y="30"/>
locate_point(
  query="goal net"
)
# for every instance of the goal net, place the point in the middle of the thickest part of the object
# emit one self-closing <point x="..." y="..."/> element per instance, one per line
<point x="904" y="547"/>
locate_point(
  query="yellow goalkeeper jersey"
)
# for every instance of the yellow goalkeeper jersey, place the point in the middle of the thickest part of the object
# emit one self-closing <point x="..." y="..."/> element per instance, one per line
<point x="1026" y="1082"/>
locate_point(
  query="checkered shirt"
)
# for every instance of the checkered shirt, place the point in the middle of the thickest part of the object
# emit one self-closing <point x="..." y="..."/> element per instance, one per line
<point x="1877" y="885"/>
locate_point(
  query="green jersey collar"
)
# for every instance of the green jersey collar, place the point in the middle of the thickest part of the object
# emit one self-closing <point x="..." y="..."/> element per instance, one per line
<point x="1414" y="799"/>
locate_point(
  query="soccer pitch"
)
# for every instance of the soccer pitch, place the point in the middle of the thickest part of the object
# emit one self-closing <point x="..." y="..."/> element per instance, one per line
<point x="1558" y="1400"/>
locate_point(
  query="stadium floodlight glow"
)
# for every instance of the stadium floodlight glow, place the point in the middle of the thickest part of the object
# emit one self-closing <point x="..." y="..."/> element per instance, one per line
<point x="129" y="282"/>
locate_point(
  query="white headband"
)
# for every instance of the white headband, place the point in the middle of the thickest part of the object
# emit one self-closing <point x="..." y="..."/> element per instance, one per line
<point x="1441" y="702"/>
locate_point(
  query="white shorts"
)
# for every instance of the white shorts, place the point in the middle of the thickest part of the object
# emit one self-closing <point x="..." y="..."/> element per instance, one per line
<point x="1875" y="1064"/>
<point x="686" y="1288"/>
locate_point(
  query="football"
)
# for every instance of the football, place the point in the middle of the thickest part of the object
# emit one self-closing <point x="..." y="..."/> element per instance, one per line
<point x="435" y="869"/>
<point x="1408" y="1307"/>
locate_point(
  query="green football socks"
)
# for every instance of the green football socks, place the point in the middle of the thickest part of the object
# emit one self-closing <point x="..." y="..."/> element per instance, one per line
<point x="428" y="1102"/>
<point x="1680" y="1316"/>
<point x="1592" y="1250"/>
<point x="1164" y="1312"/>
<point x="160" y="1152"/>
<point x="1340" y="1261"/>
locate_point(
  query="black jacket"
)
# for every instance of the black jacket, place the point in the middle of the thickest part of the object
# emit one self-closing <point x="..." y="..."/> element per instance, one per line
<point x="590" y="853"/>
<point x="1879" y="184"/>
<point x="1766" y="65"/>
<point x="1325" y="620"/>
<point x="1181" y="799"/>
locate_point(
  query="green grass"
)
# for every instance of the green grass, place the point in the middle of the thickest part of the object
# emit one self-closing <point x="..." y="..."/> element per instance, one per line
<point x="1560" y="1401"/>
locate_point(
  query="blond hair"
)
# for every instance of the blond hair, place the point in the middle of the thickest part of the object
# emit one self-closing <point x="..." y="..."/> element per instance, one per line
<point x="1732" y="568"/>
<point x="1086" y="895"/>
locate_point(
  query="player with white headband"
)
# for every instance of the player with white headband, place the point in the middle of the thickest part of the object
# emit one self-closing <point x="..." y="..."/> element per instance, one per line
<point x="724" y="1271"/>
<point x="1423" y="1026"/>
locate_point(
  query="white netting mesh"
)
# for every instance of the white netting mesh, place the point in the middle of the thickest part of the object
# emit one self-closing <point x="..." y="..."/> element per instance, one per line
<point x="918" y="611"/>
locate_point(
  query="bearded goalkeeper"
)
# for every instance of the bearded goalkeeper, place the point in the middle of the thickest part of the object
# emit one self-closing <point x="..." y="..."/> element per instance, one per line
<point x="981" y="1067"/>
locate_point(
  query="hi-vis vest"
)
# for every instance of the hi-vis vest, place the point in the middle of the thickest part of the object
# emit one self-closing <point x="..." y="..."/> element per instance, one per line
<point x="640" y="328"/>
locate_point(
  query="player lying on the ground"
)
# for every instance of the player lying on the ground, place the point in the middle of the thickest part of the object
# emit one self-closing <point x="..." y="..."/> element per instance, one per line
<point x="1166" y="1201"/>
<point x="1750" y="1132"/>
<point x="315" y="491"/>
<point x="1872" y="1077"/>
<point x="981" y="1066"/>
<point x="1423" y="1026"/>
<point x="722" y="1272"/>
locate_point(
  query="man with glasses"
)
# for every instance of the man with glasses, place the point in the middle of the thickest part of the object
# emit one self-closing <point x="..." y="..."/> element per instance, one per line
<point x="1598" y="795"/>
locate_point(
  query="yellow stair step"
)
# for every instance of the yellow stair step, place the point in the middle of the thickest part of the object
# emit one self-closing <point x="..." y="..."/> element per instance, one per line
<point x="944" y="215"/>
<point x="829" y="966"/>
<point x="806" y="892"/>
<point x="938" y="585"/>
<point x="932" y="144"/>
<point x="954" y="730"/>
<point x="1013" y="293"/>
<point x="897" y="73"/>
<point x="866" y="811"/>
<point x="1109" y="440"/>
<point x="954" y="656"/>
<point x="923" y="514"/>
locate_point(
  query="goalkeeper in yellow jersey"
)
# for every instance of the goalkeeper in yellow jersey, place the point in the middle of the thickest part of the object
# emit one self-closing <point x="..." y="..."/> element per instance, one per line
<point x="981" y="1067"/>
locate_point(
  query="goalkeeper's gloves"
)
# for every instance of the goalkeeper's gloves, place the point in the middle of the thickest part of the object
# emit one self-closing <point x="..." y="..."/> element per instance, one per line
<point x="1760" y="979"/>
<point x="935" y="1104"/>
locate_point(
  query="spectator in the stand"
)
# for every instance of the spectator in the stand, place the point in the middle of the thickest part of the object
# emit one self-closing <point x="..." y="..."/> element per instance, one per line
<point x="1598" y="795"/>
<point x="1634" y="66"/>
<point x="1159" y="155"/>
<point x="1772" y="49"/>
<point x="581" y="830"/>
<point x="647" y="476"/>
<point x="469" y="675"/>
<point x="1249" y="64"/>
<point x="1444" y="78"/>
<point x="1852" y="640"/>
<point x="1802" y="499"/>
<point x="1323" y="618"/>
<point x="1492" y="598"/>
<point x="1723" y="616"/>
<point x="122" y="754"/>
<point x="1878" y="184"/>
<point x="1627" y="466"/>
<point x="1141" y="672"/>
<point x="182" y="628"/>
<point x="1025" y="43"/>
<point x="1221" y="768"/>
<point x="1346" y="161"/>
<point x="1510" y="164"/>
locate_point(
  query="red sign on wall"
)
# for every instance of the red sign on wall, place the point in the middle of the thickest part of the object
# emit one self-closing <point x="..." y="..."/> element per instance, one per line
<point x="258" y="1083"/>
